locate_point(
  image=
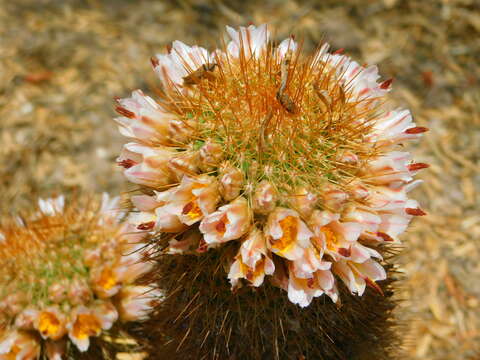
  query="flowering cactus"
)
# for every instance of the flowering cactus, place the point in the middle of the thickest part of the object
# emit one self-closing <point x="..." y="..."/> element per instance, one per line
<point x="292" y="157"/>
<point x="68" y="274"/>
<point x="279" y="172"/>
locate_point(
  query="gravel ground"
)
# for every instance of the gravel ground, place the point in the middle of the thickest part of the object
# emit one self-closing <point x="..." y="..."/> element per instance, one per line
<point x="62" y="62"/>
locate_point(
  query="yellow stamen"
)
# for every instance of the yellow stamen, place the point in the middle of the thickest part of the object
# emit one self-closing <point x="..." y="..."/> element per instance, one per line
<point x="332" y="239"/>
<point x="252" y="275"/>
<point x="289" y="227"/>
<point x="85" y="326"/>
<point x="192" y="210"/>
<point x="49" y="325"/>
<point x="14" y="351"/>
<point x="107" y="279"/>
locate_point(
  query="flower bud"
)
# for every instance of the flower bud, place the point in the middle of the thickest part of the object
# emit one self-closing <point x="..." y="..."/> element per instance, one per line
<point x="264" y="198"/>
<point x="333" y="198"/>
<point x="303" y="201"/>
<point x="136" y="302"/>
<point x="211" y="154"/>
<point x="79" y="292"/>
<point x="231" y="182"/>
<point x="57" y="292"/>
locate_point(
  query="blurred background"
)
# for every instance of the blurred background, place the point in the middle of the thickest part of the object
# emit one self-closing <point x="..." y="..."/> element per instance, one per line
<point x="63" y="61"/>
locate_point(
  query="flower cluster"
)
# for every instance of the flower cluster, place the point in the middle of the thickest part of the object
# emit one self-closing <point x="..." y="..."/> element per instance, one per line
<point x="68" y="274"/>
<point x="292" y="157"/>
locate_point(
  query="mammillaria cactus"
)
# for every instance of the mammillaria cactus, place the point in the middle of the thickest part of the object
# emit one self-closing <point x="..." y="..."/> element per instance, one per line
<point x="284" y="170"/>
<point x="68" y="276"/>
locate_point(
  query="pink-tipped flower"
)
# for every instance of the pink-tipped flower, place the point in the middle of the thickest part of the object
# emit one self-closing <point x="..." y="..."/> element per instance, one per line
<point x="287" y="234"/>
<point x="309" y="263"/>
<point x="56" y="350"/>
<point x="391" y="168"/>
<point x="229" y="222"/>
<point x="304" y="201"/>
<point x="394" y="127"/>
<point x="145" y="165"/>
<point x="362" y="82"/>
<point x="247" y="41"/>
<point x="264" y="198"/>
<point x="136" y="302"/>
<point x="210" y="155"/>
<point x="144" y="119"/>
<point x="85" y="324"/>
<point x="252" y="262"/>
<point x="340" y="239"/>
<point x="19" y="345"/>
<point x="357" y="276"/>
<point x="231" y="182"/>
<point x="182" y="60"/>
<point x="188" y="203"/>
<point x="51" y="323"/>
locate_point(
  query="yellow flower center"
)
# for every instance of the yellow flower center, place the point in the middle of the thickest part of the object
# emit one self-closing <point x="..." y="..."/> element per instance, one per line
<point x="289" y="226"/>
<point x="12" y="355"/>
<point x="252" y="274"/>
<point x="332" y="239"/>
<point x="85" y="326"/>
<point x="192" y="210"/>
<point x="107" y="279"/>
<point x="49" y="325"/>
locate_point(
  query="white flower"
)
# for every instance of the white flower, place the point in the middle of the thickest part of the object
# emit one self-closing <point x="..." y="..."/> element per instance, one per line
<point x="181" y="61"/>
<point x="252" y="40"/>
<point x="229" y="222"/>
<point x="356" y="276"/>
<point x="186" y="203"/>
<point x="361" y="81"/>
<point x="287" y="235"/>
<point x="144" y="119"/>
<point x="394" y="127"/>
<point x="286" y="46"/>
<point x="52" y="206"/>
<point x="300" y="292"/>
<point x="19" y="345"/>
<point x="252" y="262"/>
<point x="110" y="210"/>
<point x="146" y="165"/>
<point x="136" y="302"/>
<point x="85" y="323"/>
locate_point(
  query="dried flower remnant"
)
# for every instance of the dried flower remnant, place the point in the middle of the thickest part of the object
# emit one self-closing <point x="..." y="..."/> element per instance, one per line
<point x="300" y="156"/>
<point x="67" y="271"/>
